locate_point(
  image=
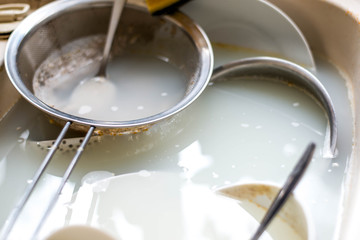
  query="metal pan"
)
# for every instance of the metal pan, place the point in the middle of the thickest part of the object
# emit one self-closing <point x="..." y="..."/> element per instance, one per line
<point x="290" y="73"/>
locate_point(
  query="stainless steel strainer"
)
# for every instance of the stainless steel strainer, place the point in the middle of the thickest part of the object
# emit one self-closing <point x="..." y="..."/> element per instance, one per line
<point x="172" y="37"/>
<point x="175" y="38"/>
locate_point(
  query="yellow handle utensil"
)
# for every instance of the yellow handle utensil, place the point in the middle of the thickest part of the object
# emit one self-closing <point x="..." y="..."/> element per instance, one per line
<point x="161" y="6"/>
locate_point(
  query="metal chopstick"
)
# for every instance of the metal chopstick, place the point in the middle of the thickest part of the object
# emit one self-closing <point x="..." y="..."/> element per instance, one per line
<point x="64" y="179"/>
<point x="286" y="190"/>
<point x="30" y="188"/>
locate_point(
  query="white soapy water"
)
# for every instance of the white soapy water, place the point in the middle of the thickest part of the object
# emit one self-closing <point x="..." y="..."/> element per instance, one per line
<point x="88" y="98"/>
<point x="136" y="86"/>
<point x="96" y="176"/>
<point x="206" y="143"/>
<point x="145" y="86"/>
<point x="179" y="210"/>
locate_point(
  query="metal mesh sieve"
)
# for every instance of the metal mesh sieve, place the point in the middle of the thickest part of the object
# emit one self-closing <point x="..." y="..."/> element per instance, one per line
<point x="173" y="37"/>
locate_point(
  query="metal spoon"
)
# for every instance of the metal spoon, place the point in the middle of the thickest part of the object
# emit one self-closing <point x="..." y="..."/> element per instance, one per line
<point x="286" y="190"/>
<point x="114" y="20"/>
<point x="100" y="76"/>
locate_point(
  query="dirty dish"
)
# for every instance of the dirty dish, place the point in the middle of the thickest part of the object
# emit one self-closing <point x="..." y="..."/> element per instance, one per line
<point x="257" y="25"/>
<point x="79" y="233"/>
<point x="174" y="209"/>
<point x="286" y="191"/>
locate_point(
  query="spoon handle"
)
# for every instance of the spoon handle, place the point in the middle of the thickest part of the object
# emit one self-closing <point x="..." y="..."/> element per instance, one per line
<point x="114" y="21"/>
<point x="286" y="190"/>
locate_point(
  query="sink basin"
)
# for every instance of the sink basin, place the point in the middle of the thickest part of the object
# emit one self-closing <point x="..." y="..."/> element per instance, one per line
<point x="235" y="133"/>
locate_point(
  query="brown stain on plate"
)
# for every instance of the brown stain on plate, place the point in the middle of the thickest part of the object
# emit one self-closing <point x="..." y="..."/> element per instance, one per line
<point x="249" y="191"/>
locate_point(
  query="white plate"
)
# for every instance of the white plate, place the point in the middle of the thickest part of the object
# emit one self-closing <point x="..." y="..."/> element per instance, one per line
<point x="252" y="24"/>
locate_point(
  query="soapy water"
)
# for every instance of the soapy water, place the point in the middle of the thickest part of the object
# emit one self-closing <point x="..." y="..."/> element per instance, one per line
<point x="179" y="210"/>
<point x="137" y="86"/>
<point x="224" y="135"/>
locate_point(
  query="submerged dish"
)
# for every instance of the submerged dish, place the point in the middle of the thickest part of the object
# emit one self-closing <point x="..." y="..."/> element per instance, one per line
<point x="256" y="198"/>
<point x="239" y="23"/>
<point x="179" y="210"/>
